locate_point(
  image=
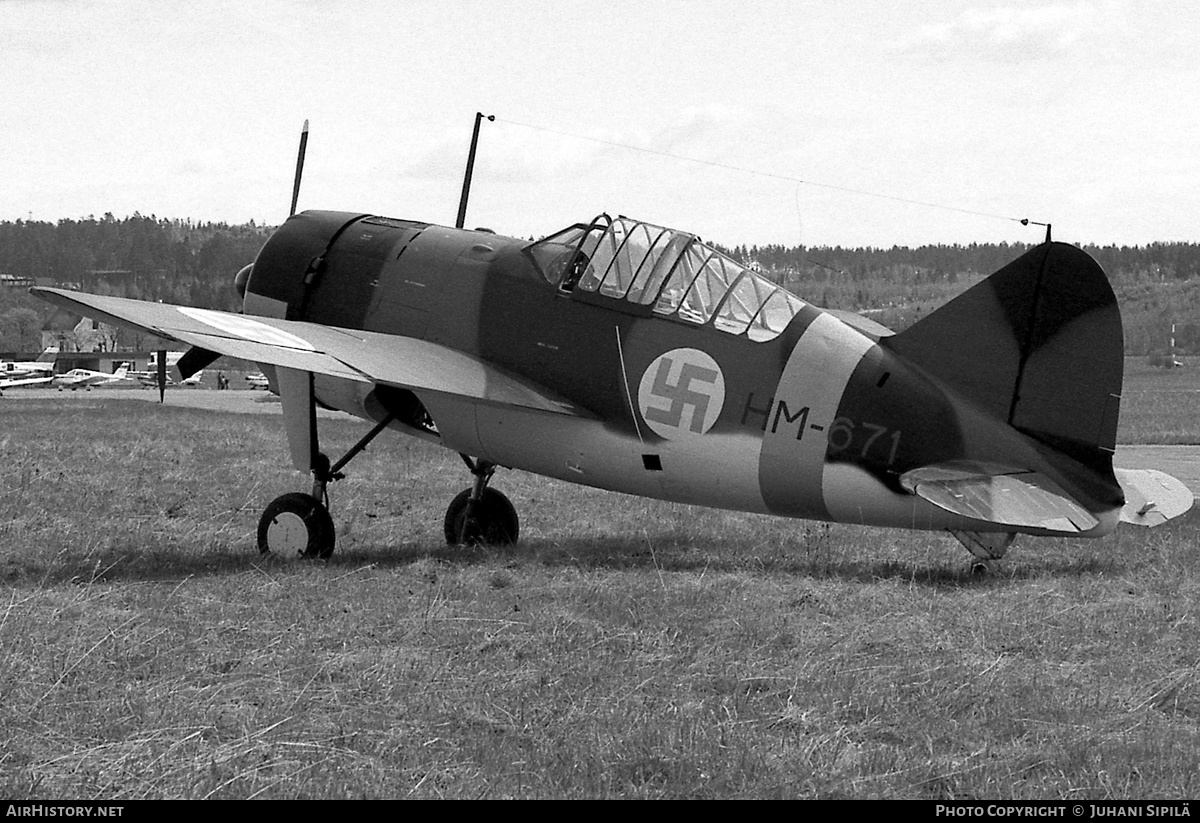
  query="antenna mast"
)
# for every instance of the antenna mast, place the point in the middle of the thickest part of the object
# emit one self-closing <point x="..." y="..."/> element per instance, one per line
<point x="466" y="189"/>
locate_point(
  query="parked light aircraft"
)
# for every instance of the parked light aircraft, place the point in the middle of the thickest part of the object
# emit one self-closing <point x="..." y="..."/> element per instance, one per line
<point x="87" y="379"/>
<point x="627" y="356"/>
<point x="150" y="379"/>
<point x="42" y="367"/>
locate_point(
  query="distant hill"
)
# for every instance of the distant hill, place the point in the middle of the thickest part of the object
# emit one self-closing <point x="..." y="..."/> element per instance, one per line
<point x="1156" y="285"/>
<point x="149" y="258"/>
<point x="193" y="263"/>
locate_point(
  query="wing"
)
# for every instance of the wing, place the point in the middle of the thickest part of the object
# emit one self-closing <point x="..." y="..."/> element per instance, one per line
<point x="25" y="381"/>
<point x="362" y="356"/>
<point x="1001" y="495"/>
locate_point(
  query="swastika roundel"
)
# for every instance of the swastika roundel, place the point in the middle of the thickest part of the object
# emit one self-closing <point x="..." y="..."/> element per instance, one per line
<point x="681" y="394"/>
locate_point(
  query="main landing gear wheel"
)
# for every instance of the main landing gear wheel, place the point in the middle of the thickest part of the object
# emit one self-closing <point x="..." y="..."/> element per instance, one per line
<point x="491" y="521"/>
<point x="296" y="525"/>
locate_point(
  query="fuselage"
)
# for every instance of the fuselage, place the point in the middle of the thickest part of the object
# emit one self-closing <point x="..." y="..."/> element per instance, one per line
<point x="15" y="370"/>
<point x="78" y="378"/>
<point x="700" y="382"/>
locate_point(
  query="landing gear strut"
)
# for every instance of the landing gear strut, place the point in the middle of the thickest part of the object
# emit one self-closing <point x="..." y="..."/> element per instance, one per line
<point x="298" y="524"/>
<point x="481" y="515"/>
<point x="986" y="549"/>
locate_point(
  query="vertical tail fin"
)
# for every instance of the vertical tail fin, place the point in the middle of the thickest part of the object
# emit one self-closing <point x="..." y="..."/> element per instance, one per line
<point x="1039" y="344"/>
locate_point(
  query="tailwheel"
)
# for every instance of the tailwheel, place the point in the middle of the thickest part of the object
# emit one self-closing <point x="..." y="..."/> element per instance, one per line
<point x="296" y="525"/>
<point x="490" y="521"/>
<point x="983" y="568"/>
<point x="986" y="549"/>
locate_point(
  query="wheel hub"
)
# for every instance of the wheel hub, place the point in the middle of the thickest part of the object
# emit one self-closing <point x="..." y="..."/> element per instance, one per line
<point x="288" y="534"/>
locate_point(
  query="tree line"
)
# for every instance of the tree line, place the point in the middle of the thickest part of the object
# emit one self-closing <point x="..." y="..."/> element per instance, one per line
<point x="143" y="257"/>
<point x="1154" y="284"/>
<point x="193" y="263"/>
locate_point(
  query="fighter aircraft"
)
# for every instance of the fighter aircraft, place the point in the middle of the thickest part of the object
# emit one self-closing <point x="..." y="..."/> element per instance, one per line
<point x="632" y="357"/>
<point x="88" y="379"/>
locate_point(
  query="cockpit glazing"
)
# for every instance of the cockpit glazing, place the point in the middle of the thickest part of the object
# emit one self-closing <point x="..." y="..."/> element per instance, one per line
<point x="682" y="277"/>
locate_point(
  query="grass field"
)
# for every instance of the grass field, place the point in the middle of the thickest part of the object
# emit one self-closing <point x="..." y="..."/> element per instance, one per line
<point x="1159" y="406"/>
<point x="625" y="648"/>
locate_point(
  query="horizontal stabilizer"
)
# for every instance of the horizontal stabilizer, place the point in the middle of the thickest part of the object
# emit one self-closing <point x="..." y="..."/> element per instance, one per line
<point x="1152" y="497"/>
<point x="997" y="494"/>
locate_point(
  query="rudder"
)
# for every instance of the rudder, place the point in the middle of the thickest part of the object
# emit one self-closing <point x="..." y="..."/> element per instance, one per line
<point x="1039" y="344"/>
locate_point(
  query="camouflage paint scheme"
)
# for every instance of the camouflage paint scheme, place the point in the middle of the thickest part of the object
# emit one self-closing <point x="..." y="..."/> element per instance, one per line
<point x="996" y="413"/>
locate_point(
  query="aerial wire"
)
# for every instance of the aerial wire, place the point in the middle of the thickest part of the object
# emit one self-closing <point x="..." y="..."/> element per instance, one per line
<point x="1024" y="221"/>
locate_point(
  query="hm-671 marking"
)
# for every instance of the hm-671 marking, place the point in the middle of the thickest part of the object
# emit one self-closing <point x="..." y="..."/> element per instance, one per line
<point x="839" y="436"/>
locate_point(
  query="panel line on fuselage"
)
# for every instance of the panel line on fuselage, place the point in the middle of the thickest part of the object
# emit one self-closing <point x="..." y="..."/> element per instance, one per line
<point x="625" y="384"/>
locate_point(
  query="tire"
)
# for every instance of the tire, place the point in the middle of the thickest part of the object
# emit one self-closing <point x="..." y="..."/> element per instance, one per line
<point x="296" y="525"/>
<point x="494" y="520"/>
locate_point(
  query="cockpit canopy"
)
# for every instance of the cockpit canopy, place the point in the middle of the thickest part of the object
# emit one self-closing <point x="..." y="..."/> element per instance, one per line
<point x="680" y="276"/>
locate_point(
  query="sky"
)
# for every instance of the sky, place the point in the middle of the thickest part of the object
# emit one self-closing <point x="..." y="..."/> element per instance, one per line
<point x="855" y="123"/>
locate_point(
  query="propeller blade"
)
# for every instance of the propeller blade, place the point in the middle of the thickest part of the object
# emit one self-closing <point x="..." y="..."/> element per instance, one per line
<point x="193" y="360"/>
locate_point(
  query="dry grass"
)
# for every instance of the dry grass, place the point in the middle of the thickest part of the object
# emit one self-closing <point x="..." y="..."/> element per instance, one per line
<point x="625" y="648"/>
<point x="1159" y="406"/>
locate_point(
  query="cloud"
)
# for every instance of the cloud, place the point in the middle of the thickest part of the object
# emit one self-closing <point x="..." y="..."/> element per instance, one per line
<point x="1012" y="34"/>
